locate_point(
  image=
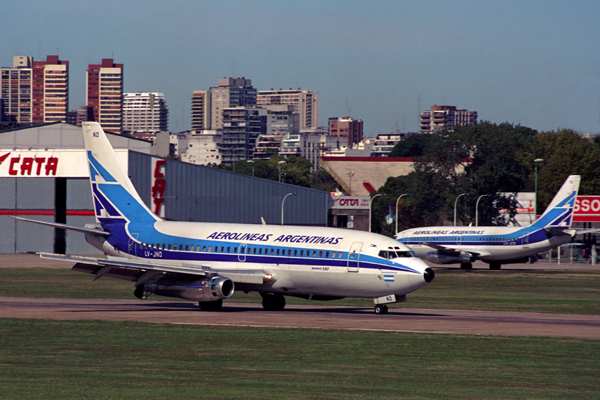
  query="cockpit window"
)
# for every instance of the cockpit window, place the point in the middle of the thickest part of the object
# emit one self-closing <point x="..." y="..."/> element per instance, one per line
<point x="396" y="252"/>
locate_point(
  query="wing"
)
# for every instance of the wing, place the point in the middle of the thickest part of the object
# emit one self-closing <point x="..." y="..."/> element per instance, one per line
<point x="149" y="270"/>
<point x="474" y="251"/>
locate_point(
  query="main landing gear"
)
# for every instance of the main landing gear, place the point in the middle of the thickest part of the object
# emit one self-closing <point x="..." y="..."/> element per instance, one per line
<point x="273" y="302"/>
<point x="381" y="309"/>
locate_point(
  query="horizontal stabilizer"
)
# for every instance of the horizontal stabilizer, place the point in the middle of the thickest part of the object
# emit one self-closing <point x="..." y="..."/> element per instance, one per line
<point x="65" y="226"/>
<point x="557" y="232"/>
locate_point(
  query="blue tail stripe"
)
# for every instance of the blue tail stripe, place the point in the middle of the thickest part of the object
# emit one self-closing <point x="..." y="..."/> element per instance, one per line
<point x="125" y="203"/>
<point x="104" y="173"/>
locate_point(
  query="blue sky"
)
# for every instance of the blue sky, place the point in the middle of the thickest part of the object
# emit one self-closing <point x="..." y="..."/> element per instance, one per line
<point x="530" y="62"/>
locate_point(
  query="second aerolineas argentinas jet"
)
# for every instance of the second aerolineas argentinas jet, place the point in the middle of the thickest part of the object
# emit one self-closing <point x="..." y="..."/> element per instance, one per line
<point x="497" y="245"/>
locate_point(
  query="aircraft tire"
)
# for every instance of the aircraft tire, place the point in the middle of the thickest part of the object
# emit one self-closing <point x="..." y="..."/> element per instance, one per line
<point x="273" y="302"/>
<point x="466" y="266"/>
<point x="211" y="305"/>
<point x="381" y="309"/>
<point x="495" y="266"/>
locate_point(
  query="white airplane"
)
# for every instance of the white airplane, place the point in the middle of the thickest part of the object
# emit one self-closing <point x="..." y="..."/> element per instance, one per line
<point x="498" y="245"/>
<point x="206" y="262"/>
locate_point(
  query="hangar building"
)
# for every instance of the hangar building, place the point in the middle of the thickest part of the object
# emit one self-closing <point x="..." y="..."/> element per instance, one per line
<point x="44" y="176"/>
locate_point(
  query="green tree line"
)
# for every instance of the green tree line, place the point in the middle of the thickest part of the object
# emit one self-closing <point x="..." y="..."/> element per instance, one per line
<point x="483" y="160"/>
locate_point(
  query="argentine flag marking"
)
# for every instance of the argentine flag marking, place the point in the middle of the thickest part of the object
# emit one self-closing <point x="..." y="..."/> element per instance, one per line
<point x="388" y="278"/>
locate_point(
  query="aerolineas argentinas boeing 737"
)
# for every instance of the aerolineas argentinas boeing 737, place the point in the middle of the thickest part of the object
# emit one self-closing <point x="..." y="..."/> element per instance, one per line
<point x="204" y="262"/>
<point x="498" y="245"/>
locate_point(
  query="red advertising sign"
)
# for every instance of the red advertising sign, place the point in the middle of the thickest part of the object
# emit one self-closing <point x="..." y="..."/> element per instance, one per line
<point x="587" y="209"/>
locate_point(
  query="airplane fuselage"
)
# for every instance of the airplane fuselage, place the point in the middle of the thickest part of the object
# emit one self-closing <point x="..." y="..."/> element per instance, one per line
<point x="304" y="261"/>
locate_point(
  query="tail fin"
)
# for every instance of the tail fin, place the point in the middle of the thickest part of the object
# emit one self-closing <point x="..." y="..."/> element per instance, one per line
<point x="115" y="198"/>
<point x="559" y="213"/>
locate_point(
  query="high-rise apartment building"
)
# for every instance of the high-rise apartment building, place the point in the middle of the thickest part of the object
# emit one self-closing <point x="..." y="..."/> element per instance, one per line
<point x="104" y="93"/>
<point x="16" y="90"/>
<point x="305" y="102"/>
<point x="231" y="92"/>
<point x="241" y="128"/>
<point x="50" y="92"/>
<point x="35" y="91"/>
<point x="145" y="113"/>
<point x="200" y="110"/>
<point x="445" y="118"/>
<point x="347" y="127"/>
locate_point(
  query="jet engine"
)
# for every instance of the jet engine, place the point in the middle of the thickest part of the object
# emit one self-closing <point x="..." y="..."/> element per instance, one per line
<point x="448" y="258"/>
<point x="206" y="289"/>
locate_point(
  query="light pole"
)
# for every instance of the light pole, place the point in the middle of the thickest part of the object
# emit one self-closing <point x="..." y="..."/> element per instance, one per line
<point x="350" y="174"/>
<point x="283" y="202"/>
<point x="456" y="201"/>
<point x="279" y="164"/>
<point x="477" y="208"/>
<point x="536" y="161"/>
<point x="252" y="162"/>
<point x="371" y="208"/>
<point x="397" y="200"/>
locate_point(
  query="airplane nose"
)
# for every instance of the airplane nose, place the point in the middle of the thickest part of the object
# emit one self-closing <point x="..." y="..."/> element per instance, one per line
<point x="428" y="275"/>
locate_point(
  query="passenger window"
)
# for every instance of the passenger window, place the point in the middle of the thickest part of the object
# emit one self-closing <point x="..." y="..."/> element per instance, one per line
<point x="186" y="247"/>
<point x="314" y="253"/>
<point x="204" y="248"/>
<point x="254" y="250"/>
<point x="295" y="253"/>
<point x="209" y="249"/>
<point x="340" y="254"/>
<point x="228" y="248"/>
<point x="169" y="247"/>
<point x="272" y="251"/>
<point x="260" y="250"/>
<point x="301" y="253"/>
<point x="235" y="250"/>
<point x="180" y="247"/>
<point x="326" y="254"/>
<point x="277" y="252"/>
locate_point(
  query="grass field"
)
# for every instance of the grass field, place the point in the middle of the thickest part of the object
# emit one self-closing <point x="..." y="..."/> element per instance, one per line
<point x="539" y="291"/>
<point x="115" y="360"/>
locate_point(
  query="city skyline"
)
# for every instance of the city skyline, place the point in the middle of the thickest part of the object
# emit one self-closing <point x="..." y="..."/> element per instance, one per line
<point x="532" y="63"/>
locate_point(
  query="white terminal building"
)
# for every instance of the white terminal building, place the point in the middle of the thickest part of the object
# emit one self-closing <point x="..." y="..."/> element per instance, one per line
<point x="145" y="113"/>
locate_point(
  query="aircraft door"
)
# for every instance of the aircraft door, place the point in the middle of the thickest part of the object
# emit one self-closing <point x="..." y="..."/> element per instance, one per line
<point x="354" y="257"/>
<point x="133" y="245"/>
<point x="242" y="252"/>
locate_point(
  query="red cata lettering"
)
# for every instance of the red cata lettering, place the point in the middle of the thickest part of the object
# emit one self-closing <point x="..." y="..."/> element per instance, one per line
<point x="51" y="165"/>
<point x="11" y="169"/>
<point x="158" y="189"/>
<point x="157" y="168"/>
<point x="26" y="165"/>
<point x="39" y="161"/>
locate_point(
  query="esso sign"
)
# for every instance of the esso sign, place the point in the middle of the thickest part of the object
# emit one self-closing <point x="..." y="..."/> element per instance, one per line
<point x="587" y="209"/>
<point x="587" y="205"/>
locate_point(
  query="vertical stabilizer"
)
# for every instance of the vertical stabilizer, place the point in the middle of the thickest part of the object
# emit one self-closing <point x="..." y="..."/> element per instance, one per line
<point x="115" y="198"/>
<point x="559" y="213"/>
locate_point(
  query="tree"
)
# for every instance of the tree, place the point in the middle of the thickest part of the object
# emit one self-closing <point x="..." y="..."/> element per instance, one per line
<point x="483" y="159"/>
<point x="413" y="146"/>
<point x="565" y="153"/>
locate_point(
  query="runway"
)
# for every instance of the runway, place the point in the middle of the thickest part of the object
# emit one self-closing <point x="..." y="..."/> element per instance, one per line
<point x="307" y="316"/>
<point x="504" y="323"/>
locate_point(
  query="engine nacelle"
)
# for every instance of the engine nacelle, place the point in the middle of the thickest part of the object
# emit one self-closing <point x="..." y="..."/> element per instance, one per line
<point x="445" y="258"/>
<point x="207" y="289"/>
